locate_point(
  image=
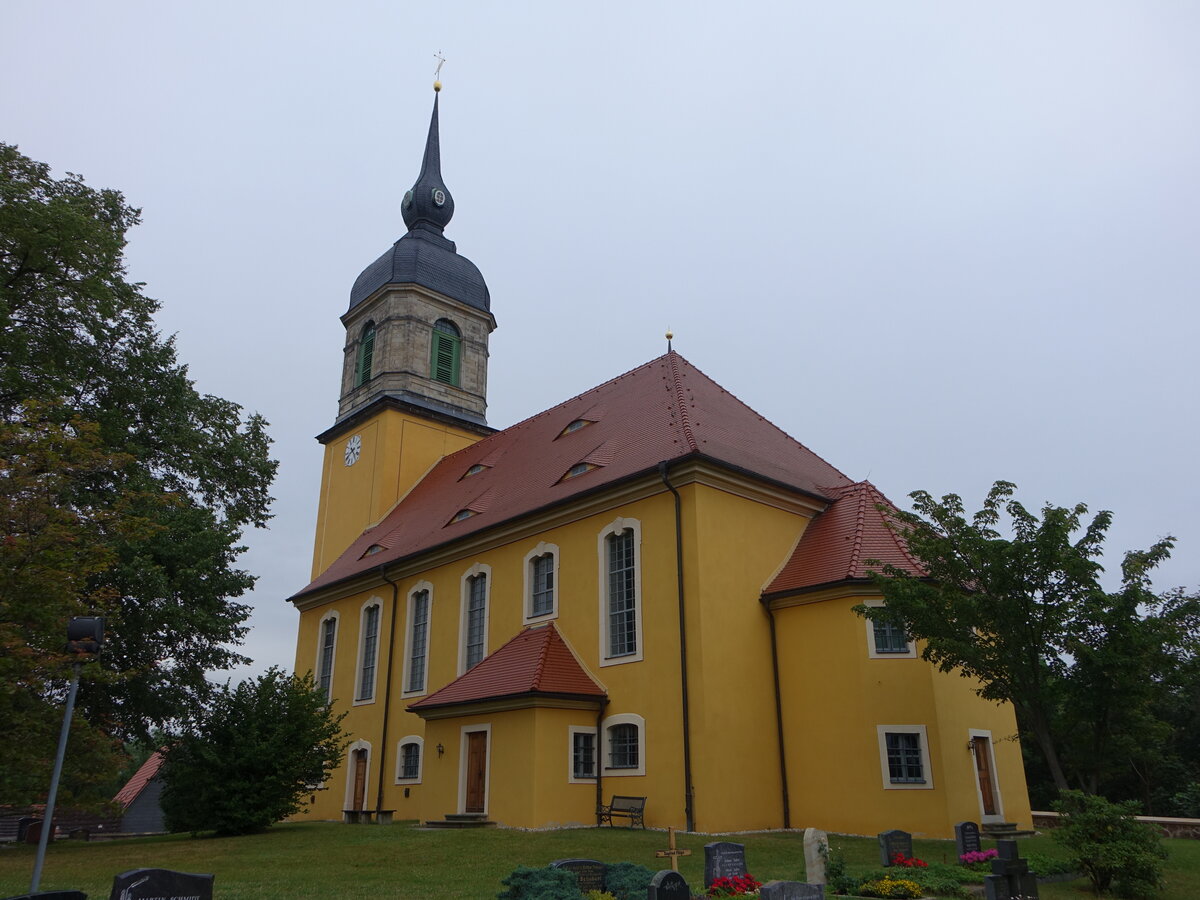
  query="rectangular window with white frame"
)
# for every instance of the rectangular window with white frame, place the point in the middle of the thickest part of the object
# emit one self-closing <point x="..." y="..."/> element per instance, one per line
<point x="904" y="757"/>
<point x="886" y="640"/>
<point x="582" y="762"/>
<point x="417" y="639"/>
<point x="368" y="652"/>
<point x="326" y="647"/>
<point x="474" y="619"/>
<point x="620" y="593"/>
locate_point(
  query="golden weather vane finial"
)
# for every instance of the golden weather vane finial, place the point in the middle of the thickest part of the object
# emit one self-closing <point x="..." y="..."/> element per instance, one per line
<point x="437" y="73"/>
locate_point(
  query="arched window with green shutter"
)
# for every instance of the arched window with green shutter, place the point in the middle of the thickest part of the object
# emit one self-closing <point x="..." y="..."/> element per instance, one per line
<point x="366" y="355"/>
<point x="446" y="355"/>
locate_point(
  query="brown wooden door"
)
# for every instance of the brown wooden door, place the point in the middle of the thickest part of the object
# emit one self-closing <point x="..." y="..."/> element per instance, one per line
<point x="983" y="771"/>
<point x="360" y="779"/>
<point x="476" y="770"/>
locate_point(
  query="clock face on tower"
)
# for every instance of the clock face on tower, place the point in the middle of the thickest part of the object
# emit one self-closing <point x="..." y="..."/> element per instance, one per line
<point x="353" y="449"/>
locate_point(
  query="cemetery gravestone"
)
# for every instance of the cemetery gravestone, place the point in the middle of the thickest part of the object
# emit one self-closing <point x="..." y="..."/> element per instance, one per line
<point x="816" y="844"/>
<point x="590" y="872"/>
<point x="791" y="890"/>
<point x="52" y="895"/>
<point x="723" y="859"/>
<point x="1010" y="876"/>
<point x="966" y="838"/>
<point x="893" y="842"/>
<point x="668" y="885"/>
<point x="161" y="884"/>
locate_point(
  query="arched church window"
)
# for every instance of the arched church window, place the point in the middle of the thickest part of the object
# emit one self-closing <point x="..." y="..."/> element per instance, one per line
<point x="366" y="355"/>
<point x="446" y="355"/>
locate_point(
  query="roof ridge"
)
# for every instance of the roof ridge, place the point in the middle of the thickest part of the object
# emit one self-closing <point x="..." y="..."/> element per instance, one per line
<point x="860" y="522"/>
<point x="685" y="418"/>
<point x="763" y="418"/>
<point x="896" y="539"/>
<point x="539" y="667"/>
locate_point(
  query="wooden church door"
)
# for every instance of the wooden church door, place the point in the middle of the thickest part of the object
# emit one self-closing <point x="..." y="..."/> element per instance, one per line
<point x="983" y="771"/>
<point x="476" y="771"/>
<point x="360" y="780"/>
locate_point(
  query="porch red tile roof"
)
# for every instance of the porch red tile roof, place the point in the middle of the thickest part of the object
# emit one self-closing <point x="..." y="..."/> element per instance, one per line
<point x="140" y="779"/>
<point x="838" y="542"/>
<point x="664" y="410"/>
<point x="535" y="661"/>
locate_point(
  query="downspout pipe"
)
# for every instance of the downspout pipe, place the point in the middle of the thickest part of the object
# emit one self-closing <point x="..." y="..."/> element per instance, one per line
<point x="603" y="704"/>
<point x="783" y="780"/>
<point x="387" y="690"/>
<point x="688" y="791"/>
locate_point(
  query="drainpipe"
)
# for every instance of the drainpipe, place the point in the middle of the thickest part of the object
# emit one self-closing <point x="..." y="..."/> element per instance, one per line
<point x="600" y="757"/>
<point x="688" y="792"/>
<point x="787" y="808"/>
<point x="387" y="690"/>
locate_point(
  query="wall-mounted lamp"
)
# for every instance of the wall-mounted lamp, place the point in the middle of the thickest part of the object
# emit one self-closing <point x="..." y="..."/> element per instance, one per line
<point x="441" y="750"/>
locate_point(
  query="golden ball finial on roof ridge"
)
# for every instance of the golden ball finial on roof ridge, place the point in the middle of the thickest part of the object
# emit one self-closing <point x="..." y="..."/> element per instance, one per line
<point x="437" y="86"/>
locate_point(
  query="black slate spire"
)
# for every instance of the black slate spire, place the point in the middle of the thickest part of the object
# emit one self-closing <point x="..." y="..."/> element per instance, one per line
<point x="429" y="202"/>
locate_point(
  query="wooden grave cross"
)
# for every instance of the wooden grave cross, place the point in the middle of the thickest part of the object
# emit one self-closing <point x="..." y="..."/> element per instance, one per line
<point x="672" y="852"/>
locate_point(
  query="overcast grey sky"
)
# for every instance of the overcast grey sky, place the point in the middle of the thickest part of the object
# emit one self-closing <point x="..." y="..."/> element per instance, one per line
<point x="940" y="243"/>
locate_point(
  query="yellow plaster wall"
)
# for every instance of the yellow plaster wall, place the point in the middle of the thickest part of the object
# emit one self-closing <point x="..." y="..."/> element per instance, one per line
<point x="835" y="696"/>
<point x="397" y="449"/>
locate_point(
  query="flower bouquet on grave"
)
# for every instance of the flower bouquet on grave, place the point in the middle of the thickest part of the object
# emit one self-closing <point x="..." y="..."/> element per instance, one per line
<point x="735" y="886"/>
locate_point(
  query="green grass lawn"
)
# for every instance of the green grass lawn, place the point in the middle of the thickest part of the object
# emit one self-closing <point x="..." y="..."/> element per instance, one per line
<point x="337" y="861"/>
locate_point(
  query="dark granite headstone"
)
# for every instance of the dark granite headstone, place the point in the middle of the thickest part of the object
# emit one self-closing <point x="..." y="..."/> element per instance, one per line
<point x="161" y="884"/>
<point x="995" y="887"/>
<point x="1007" y="850"/>
<point x="668" y="885"/>
<point x="723" y="859"/>
<point x="791" y="890"/>
<point x="893" y="842"/>
<point x="966" y="837"/>
<point x="1010" y="876"/>
<point x="590" y="872"/>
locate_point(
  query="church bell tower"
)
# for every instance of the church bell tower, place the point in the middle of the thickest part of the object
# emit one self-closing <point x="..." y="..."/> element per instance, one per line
<point x="414" y="373"/>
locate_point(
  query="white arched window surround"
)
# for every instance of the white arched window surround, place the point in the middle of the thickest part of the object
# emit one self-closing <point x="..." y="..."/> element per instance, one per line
<point x="466" y="581"/>
<point x="324" y="667"/>
<point x="419" y="690"/>
<point x="407" y="741"/>
<point x="350" y="751"/>
<point x="366" y="682"/>
<point x="617" y="527"/>
<point x="872" y="652"/>
<point x="607" y="728"/>
<point x="542" y="549"/>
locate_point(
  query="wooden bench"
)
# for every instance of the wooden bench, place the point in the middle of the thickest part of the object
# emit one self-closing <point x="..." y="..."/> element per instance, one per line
<point x="631" y="808"/>
<point x="366" y="816"/>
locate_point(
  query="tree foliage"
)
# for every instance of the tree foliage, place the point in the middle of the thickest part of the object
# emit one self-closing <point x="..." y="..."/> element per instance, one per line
<point x="1026" y="615"/>
<point x="252" y="758"/>
<point x="124" y="490"/>
<point x="1110" y="846"/>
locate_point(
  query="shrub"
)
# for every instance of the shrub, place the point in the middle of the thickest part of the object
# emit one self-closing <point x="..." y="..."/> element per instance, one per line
<point x="598" y="895"/>
<point x="526" y="883"/>
<point x="627" y="881"/>
<point x="835" y="872"/>
<point x="891" y="887"/>
<point x="1187" y="802"/>
<point x="1109" y="846"/>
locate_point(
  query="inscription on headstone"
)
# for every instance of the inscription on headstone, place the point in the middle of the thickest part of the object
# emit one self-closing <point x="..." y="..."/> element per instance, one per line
<point x="893" y="842"/>
<point x="966" y="837"/>
<point x="668" y="885"/>
<point x="791" y="890"/>
<point x="161" y="884"/>
<point x="590" y="872"/>
<point x="816" y="844"/>
<point x="723" y="859"/>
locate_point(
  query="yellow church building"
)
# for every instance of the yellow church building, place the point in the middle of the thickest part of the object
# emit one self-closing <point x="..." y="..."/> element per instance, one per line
<point x="644" y="591"/>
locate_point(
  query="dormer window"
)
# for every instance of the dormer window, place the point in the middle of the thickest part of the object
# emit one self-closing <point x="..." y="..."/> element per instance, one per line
<point x="372" y="550"/>
<point x="474" y="470"/>
<point x="575" y="426"/>
<point x="578" y="469"/>
<point x="463" y="514"/>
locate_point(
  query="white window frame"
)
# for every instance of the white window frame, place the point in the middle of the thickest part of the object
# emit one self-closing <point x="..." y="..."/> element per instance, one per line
<point x="542" y="549"/>
<point x="359" y="699"/>
<point x="337" y="630"/>
<point x="408" y="639"/>
<point x="605" y="750"/>
<point x="420" y="742"/>
<point x="349" y="796"/>
<point x="882" y="732"/>
<point x="998" y="816"/>
<point x="615" y="528"/>
<point x="465" y="592"/>
<point x="872" y="653"/>
<point x="573" y="730"/>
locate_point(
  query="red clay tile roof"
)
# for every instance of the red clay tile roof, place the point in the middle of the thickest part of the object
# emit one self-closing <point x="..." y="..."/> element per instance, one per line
<point x="664" y="410"/>
<point x="837" y="544"/>
<point x="140" y="779"/>
<point x="536" y="661"/>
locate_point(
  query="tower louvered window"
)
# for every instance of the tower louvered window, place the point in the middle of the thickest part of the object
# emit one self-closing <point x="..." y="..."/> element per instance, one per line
<point x="446" y="357"/>
<point x="366" y="355"/>
<point x="622" y="594"/>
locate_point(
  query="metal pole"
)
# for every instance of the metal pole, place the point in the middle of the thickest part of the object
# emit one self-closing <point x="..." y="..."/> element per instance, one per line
<point x="48" y="819"/>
